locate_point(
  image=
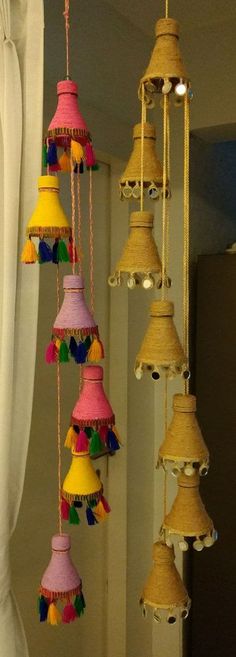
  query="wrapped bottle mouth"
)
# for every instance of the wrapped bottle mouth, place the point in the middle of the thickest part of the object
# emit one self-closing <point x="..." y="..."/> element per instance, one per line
<point x="48" y="182"/>
<point x="61" y="542"/>
<point x="162" y="309"/>
<point x="184" y="403"/>
<point x="73" y="282"/>
<point x="93" y="373"/>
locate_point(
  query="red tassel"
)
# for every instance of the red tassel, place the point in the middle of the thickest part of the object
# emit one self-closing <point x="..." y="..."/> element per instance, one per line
<point x="65" y="509"/>
<point x="69" y="613"/>
<point x="90" y="157"/>
<point x="82" y="443"/>
<point x="51" y="353"/>
<point x="105" y="504"/>
<point x="103" y="431"/>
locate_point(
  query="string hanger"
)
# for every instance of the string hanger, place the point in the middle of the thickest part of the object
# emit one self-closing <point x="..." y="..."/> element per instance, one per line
<point x="66" y="14"/>
<point x="166" y="8"/>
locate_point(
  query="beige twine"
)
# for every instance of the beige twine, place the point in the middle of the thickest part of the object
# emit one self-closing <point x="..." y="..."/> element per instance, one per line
<point x="164" y="588"/>
<point x="161" y="345"/>
<point x="188" y="516"/>
<point x="140" y="254"/>
<point x="183" y="438"/>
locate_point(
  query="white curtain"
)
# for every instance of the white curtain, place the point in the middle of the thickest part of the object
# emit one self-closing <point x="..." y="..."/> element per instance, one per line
<point x="21" y="98"/>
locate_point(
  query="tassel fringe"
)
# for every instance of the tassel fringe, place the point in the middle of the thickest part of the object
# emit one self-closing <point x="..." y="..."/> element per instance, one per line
<point x="29" y="254"/>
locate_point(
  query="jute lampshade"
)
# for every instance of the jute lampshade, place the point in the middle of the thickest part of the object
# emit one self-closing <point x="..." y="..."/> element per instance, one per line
<point x="183" y="445"/>
<point x="161" y="347"/>
<point x="60" y="583"/>
<point x="130" y="180"/>
<point x="188" y="516"/>
<point x="164" y="589"/>
<point x="140" y="258"/>
<point x="166" y="65"/>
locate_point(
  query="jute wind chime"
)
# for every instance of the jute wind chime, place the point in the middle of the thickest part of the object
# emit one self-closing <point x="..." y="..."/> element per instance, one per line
<point x="183" y="451"/>
<point x="74" y="335"/>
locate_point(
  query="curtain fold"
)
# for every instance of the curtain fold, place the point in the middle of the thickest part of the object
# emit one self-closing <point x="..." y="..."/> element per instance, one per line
<point x="21" y="98"/>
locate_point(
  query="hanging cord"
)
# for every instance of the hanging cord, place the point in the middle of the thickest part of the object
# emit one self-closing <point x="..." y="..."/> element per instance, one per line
<point x="59" y="417"/>
<point x="66" y="15"/>
<point x="167" y="188"/>
<point x="72" y="189"/>
<point x="91" y="240"/>
<point x="165" y="430"/>
<point x="166" y="8"/>
<point x="80" y="253"/>
<point x="186" y="239"/>
<point x="143" y="120"/>
<point x="164" y="203"/>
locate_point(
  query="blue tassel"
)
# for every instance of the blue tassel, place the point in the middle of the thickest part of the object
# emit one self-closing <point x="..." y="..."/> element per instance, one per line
<point x="73" y="346"/>
<point x="90" y="517"/>
<point x="43" y="609"/>
<point x="76" y="428"/>
<point x="45" y="252"/>
<point x="55" y="252"/>
<point x="76" y="168"/>
<point x="52" y="154"/>
<point x="81" y="167"/>
<point x="112" y="441"/>
<point x="81" y="353"/>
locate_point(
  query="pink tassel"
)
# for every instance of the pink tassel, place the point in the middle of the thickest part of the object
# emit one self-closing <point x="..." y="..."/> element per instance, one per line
<point x="105" y="504"/>
<point x="69" y="613"/>
<point x="90" y="157"/>
<point x="82" y="443"/>
<point x="103" y="431"/>
<point x="65" y="509"/>
<point x="51" y="353"/>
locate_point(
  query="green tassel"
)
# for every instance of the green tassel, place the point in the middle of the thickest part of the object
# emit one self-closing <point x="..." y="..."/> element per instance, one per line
<point x="88" y="342"/>
<point x="44" y="156"/>
<point x="79" y="604"/>
<point x="96" y="444"/>
<point x="62" y="253"/>
<point x="64" y="353"/>
<point x="88" y="431"/>
<point x="92" y="503"/>
<point x="73" y="516"/>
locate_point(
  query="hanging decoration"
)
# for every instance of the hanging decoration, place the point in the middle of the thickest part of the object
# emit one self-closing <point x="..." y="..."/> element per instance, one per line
<point x="130" y="181"/>
<point x="161" y="348"/>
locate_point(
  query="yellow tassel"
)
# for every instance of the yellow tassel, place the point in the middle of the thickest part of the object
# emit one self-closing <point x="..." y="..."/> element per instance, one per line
<point x="64" y="162"/>
<point x="96" y="351"/>
<point x="29" y="253"/>
<point x="99" y="511"/>
<point x="54" y="616"/>
<point x="76" y="151"/>
<point x="58" y="344"/>
<point x="71" y="437"/>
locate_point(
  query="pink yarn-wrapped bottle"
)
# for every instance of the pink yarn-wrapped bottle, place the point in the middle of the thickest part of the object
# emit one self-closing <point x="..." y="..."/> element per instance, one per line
<point x="60" y="581"/>
<point x="93" y="407"/>
<point x="74" y="317"/>
<point x="67" y="121"/>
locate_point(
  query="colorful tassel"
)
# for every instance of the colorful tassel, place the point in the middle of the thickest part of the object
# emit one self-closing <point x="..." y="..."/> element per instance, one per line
<point x="43" y="609"/>
<point x="78" y="504"/>
<point x="81" y="167"/>
<point x="55" y="252"/>
<point x="45" y="252"/>
<point x="72" y="250"/>
<point x="91" y="520"/>
<point x="62" y="252"/>
<point x="95" y="167"/>
<point x="73" y="346"/>
<point x="112" y="441"/>
<point x="76" y="151"/>
<point x="76" y="168"/>
<point x="64" y="353"/>
<point x="69" y="613"/>
<point x="52" y="157"/>
<point x="82" y="443"/>
<point x="100" y="511"/>
<point x="29" y="253"/>
<point x="73" y="516"/>
<point x="96" y="351"/>
<point x="88" y="342"/>
<point x="105" y="504"/>
<point x="90" y="157"/>
<point x="54" y="616"/>
<point x="88" y="431"/>
<point x="81" y="353"/>
<point x="65" y="162"/>
<point x="58" y="343"/>
<point x="71" y="437"/>
<point x="79" y="604"/>
<point x="65" y="509"/>
<point x="95" y="444"/>
<point x="44" y="156"/>
<point x="51" y="353"/>
<point x="103" y="431"/>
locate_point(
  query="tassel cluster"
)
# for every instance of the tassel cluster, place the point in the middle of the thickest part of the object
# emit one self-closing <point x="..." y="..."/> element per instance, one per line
<point x="96" y="510"/>
<point x="48" y="609"/>
<point x="92" y="440"/>
<point x="89" y="349"/>
<point x="72" y="158"/>
<point x="59" y="252"/>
